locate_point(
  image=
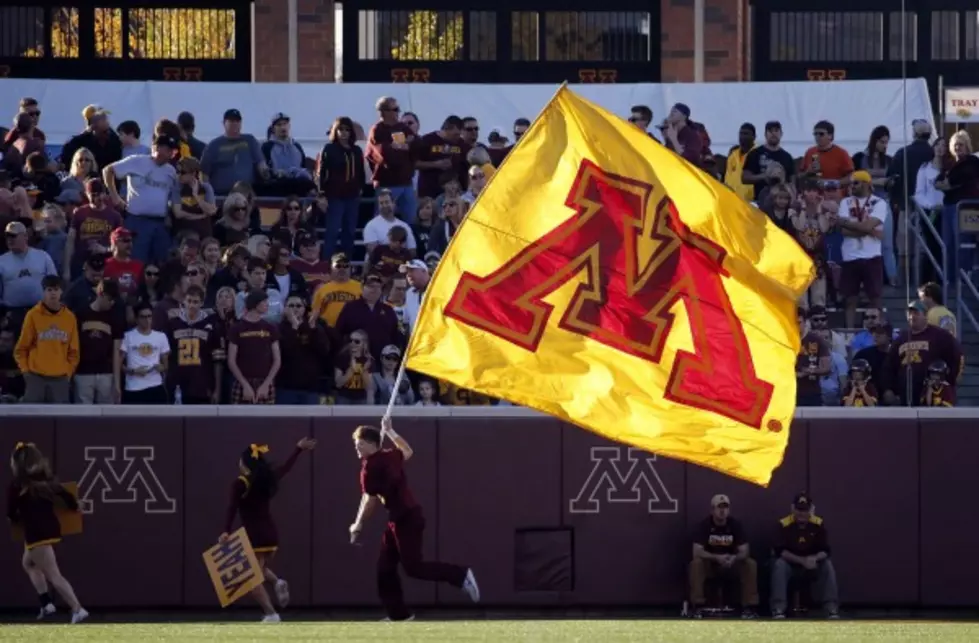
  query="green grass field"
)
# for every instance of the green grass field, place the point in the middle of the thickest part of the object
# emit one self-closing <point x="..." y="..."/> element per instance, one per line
<point x="592" y="631"/>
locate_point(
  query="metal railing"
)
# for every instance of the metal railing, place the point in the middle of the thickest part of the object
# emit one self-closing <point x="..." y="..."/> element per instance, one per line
<point x="924" y="232"/>
<point x="964" y="274"/>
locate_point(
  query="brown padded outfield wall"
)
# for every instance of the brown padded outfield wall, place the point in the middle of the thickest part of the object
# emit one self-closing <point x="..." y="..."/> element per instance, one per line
<point x="546" y="513"/>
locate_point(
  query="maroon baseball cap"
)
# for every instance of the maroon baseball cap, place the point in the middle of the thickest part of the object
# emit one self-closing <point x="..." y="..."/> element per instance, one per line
<point x="121" y="233"/>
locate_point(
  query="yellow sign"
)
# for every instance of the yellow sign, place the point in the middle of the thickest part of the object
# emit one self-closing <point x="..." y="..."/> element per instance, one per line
<point x="70" y="521"/>
<point x="233" y="568"/>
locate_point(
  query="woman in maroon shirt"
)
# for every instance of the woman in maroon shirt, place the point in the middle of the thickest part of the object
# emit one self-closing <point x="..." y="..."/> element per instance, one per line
<point x="251" y="498"/>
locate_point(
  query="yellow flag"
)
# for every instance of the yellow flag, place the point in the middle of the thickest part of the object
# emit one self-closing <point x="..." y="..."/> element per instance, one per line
<point x="602" y="279"/>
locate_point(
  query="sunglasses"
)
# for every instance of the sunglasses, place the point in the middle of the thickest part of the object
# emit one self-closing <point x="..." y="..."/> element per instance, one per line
<point x="35" y="114"/>
<point x="391" y="356"/>
<point x="295" y="207"/>
<point x="634" y="119"/>
<point x="295" y="306"/>
<point x="819" y="320"/>
<point x="241" y="209"/>
<point x="193" y="273"/>
<point x="152" y="274"/>
<point x="477" y="175"/>
<point x="356" y="342"/>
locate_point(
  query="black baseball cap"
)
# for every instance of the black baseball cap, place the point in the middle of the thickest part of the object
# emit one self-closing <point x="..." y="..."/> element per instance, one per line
<point x="185" y="120"/>
<point x="232" y="115"/>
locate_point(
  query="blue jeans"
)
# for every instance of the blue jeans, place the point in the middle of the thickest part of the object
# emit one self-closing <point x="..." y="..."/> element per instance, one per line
<point x="151" y="239"/>
<point x="405" y="203"/>
<point x="341" y="223"/>
<point x="958" y="258"/>
<point x="298" y="398"/>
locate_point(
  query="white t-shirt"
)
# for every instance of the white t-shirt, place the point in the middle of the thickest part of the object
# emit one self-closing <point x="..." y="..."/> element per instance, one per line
<point x="866" y="247"/>
<point x="144" y="350"/>
<point x="376" y="231"/>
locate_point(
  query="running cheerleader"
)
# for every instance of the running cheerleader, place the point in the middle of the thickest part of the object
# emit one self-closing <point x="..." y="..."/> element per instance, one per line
<point x="31" y="502"/>
<point x="251" y="496"/>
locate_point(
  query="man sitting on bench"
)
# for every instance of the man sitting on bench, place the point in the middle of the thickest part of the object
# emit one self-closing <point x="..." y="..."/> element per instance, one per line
<point x="720" y="553"/>
<point x="803" y="553"/>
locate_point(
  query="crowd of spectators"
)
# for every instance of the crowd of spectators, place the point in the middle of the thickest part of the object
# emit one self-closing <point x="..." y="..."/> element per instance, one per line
<point x="240" y="271"/>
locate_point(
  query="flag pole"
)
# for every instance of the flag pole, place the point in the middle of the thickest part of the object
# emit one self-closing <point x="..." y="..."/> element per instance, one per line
<point x="394" y="395"/>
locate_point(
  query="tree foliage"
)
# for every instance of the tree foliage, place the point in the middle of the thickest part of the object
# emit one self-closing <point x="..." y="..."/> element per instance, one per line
<point x="152" y="33"/>
<point x="431" y="35"/>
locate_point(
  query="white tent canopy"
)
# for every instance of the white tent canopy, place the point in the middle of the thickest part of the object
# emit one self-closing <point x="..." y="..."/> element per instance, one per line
<point x="854" y="107"/>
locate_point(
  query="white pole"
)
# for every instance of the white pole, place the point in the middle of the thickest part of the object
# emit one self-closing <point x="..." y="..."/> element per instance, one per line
<point x="698" y="41"/>
<point x="394" y="395"/>
<point x="293" y="10"/>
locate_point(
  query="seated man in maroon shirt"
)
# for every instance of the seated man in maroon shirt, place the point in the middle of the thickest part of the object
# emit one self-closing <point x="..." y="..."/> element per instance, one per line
<point x="383" y="481"/>
<point x="373" y="316"/>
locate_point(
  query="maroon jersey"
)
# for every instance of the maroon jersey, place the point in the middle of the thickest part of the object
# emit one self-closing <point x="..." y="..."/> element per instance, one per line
<point x="254" y="507"/>
<point x="35" y="512"/>
<point x="853" y="398"/>
<point x="97" y="333"/>
<point x="432" y="147"/>
<point x="941" y="395"/>
<point x="254" y="341"/>
<point x="195" y="348"/>
<point x="383" y="475"/>
<point x="814" y="348"/>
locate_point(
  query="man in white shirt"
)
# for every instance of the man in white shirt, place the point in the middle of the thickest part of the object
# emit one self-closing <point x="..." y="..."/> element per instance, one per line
<point x="376" y="230"/>
<point x="861" y="218"/>
<point x="144" y="354"/>
<point x="416" y="271"/>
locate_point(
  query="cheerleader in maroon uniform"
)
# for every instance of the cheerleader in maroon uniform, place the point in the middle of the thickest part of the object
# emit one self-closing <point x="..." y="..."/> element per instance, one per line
<point x="383" y="481"/>
<point x="31" y="502"/>
<point x="251" y="496"/>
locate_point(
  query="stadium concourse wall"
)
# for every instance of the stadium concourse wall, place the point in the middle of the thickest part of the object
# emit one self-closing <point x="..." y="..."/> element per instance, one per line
<point x="722" y="107"/>
<point x="547" y="514"/>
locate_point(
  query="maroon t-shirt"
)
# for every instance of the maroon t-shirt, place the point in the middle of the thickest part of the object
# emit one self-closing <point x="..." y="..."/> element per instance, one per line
<point x="194" y="349"/>
<point x="97" y="332"/>
<point x="814" y="348"/>
<point x="382" y="474"/>
<point x="93" y="226"/>
<point x="316" y="273"/>
<point x="391" y="168"/>
<point x="254" y="341"/>
<point x="432" y="147"/>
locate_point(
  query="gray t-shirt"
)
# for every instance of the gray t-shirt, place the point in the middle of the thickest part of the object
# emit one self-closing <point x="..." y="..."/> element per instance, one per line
<point x="150" y="188"/>
<point x="21" y="275"/>
<point x="226" y="161"/>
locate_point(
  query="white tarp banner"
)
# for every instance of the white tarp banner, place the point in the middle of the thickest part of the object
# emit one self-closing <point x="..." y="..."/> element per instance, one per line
<point x="854" y="107"/>
<point x="961" y="105"/>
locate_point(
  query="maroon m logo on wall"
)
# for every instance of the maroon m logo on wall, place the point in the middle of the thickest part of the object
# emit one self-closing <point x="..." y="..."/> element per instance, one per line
<point x="123" y="481"/>
<point x="622" y="475"/>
